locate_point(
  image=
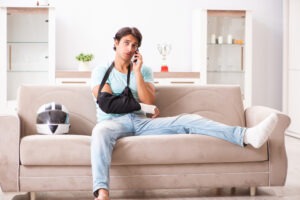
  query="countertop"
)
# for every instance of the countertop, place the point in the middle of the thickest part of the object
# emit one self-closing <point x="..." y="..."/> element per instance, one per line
<point x="87" y="74"/>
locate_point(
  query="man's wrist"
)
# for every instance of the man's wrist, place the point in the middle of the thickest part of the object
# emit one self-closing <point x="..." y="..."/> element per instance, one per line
<point x="138" y="72"/>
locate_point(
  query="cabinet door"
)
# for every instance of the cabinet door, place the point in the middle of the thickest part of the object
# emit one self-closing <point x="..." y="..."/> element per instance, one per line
<point x="224" y="57"/>
<point x="27" y="48"/>
<point x="291" y="98"/>
<point x="27" y="25"/>
<point x="27" y="57"/>
<point x="225" y="47"/>
<point x="293" y="101"/>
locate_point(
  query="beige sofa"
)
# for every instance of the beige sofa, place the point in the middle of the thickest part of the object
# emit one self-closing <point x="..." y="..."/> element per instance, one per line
<point x="30" y="162"/>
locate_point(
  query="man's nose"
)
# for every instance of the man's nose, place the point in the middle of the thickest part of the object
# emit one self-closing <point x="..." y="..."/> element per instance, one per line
<point x="132" y="48"/>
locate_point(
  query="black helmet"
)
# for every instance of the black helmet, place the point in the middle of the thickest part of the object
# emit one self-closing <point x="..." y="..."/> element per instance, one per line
<point x="52" y="119"/>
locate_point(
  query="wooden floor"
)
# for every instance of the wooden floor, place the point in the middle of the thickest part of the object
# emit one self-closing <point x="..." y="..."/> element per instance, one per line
<point x="291" y="191"/>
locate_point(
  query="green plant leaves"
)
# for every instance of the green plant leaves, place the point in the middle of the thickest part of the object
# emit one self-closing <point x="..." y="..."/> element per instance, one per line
<point x="85" y="57"/>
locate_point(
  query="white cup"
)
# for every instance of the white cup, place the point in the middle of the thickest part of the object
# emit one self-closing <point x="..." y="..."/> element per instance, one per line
<point x="213" y="39"/>
<point x="229" y="39"/>
<point x="220" y="40"/>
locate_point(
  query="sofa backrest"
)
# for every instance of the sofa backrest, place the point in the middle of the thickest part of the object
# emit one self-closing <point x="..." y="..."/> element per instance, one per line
<point x="77" y="99"/>
<point x="220" y="103"/>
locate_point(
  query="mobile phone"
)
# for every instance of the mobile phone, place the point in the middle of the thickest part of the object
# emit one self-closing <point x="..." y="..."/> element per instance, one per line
<point x="134" y="57"/>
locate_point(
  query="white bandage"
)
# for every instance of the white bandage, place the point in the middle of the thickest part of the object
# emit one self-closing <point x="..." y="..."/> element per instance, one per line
<point x="147" y="108"/>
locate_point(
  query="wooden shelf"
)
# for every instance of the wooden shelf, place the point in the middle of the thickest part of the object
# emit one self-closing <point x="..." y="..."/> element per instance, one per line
<point x="87" y="74"/>
<point x="72" y="74"/>
<point x="27" y="10"/>
<point x="176" y="74"/>
<point x="227" y="13"/>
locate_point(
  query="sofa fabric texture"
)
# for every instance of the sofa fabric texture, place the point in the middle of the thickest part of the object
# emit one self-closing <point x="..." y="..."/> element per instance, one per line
<point x="137" y="150"/>
<point x="62" y="162"/>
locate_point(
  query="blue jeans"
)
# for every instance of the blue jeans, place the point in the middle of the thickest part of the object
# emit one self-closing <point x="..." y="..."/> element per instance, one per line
<point x="107" y="132"/>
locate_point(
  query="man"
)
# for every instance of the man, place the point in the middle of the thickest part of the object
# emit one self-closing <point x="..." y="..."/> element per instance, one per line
<point x="112" y="127"/>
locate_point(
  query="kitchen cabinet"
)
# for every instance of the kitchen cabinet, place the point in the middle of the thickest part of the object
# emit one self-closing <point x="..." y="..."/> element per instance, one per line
<point x="27" y="45"/>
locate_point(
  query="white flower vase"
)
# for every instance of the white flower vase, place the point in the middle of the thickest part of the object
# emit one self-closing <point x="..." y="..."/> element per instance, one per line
<point x="84" y="66"/>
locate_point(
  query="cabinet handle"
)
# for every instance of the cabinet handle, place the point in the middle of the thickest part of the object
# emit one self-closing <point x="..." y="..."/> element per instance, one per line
<point x="74" y="82"/>
<point x="9" y="59"/>
<point x="242" y="59"/>
<point x="182" y="82"/>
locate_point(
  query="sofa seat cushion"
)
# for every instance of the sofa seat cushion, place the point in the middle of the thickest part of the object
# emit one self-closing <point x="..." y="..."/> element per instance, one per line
<point x="137" y="150"/>
<point x="55" y="150"/>
<point x="182" y="149"/>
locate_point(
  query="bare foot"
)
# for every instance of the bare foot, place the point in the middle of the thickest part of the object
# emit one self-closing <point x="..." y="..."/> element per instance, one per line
<point x="103" y="195"/>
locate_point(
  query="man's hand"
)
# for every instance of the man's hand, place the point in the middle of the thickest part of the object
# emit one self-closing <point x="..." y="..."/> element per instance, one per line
<point x="137" y="65"/>
<point x="156" y="114"/>
<point x="146" y="91"/>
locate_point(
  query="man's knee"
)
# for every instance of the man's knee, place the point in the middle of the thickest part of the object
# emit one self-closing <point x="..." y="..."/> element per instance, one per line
<point x="100" y="132"/>
<point x="106" y="130"/>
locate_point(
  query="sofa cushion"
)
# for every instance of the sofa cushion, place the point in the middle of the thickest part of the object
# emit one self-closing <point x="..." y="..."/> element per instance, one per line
<point x="137" y="150"/>
<point x="55" y="150"/>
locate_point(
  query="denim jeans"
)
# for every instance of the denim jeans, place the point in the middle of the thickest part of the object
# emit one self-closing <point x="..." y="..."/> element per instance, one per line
<point x="107" y="132"/>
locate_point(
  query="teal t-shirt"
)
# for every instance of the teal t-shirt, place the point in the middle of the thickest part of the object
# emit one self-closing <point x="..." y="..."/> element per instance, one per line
<point x="117" y="82"/>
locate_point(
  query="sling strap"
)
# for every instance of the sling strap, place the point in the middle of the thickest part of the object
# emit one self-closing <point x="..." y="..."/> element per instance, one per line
<point x="107" y="75"/>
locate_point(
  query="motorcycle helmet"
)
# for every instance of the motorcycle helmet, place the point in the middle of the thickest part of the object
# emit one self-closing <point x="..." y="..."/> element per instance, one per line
<point x="52" y="119"/>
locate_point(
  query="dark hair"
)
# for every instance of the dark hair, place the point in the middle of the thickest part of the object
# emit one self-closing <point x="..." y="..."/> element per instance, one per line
<point x="129" y="31"/>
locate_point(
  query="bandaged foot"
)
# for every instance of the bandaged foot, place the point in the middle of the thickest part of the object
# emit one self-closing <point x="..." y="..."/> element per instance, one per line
<point x="258" y="135"/>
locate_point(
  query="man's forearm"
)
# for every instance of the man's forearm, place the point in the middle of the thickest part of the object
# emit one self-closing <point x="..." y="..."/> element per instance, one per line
<point x="145" y="92"/>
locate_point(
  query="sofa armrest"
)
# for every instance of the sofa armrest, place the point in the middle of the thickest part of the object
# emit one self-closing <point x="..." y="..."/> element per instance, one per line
<point x="9" y="152"/>
<point x="276" y="144"/>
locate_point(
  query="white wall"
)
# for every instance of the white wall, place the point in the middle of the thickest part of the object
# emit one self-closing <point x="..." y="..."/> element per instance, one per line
<point x="89" y="26"/>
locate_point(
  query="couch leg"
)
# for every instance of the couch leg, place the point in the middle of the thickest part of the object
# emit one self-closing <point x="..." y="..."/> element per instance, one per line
<point x="232" y="190"/>
<point x="32" y="195"/>
<point x="218" y="191"/>
<point x="252" y="191"/>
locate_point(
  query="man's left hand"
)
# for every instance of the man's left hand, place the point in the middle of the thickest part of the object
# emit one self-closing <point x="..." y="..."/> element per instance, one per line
<point x="156" y="114"/>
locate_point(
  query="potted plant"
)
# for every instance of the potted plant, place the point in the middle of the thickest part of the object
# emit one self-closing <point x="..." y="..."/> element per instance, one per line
<point x="84" y="60"/>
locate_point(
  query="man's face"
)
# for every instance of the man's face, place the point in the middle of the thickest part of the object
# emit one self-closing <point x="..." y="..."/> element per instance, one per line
<point x="126" y="47"/>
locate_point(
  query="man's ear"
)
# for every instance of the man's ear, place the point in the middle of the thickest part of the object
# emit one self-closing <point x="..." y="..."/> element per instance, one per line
<point x="116" y="43"/>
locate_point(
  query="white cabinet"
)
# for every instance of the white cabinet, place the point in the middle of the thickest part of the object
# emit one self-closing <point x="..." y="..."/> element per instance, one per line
<point x="160" y="78"/>
<point x="293" y="101"/>
<point x="291" y="65"/>
<point x="222" y="45"/>
<point x="63" y="77"/>
<point x="27" y="49"/>
<point x="176" y="78"/>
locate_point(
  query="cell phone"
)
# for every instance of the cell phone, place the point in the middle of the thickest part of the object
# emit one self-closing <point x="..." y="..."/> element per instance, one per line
<point x="134" y="57"/>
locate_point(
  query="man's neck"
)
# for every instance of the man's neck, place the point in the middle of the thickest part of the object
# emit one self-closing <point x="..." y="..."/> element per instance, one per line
<point x="121" y="65"/>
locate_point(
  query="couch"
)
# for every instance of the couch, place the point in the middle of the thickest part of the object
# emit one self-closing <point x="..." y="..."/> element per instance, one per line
<point x="30" y="162"/>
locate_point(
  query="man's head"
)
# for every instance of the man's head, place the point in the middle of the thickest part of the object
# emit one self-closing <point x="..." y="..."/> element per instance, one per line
<point x="125" y="31"/>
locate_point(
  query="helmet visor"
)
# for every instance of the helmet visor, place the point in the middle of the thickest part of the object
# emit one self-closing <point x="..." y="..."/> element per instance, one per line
<point x="52" y="117"/>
